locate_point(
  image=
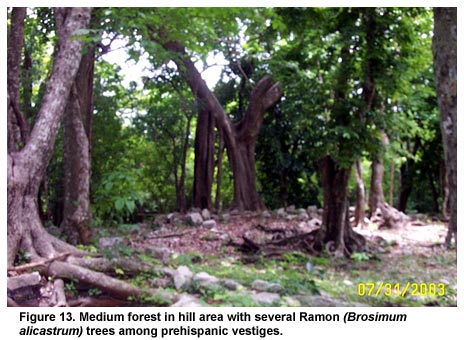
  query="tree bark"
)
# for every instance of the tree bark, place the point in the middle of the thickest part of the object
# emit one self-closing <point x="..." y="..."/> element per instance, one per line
<point x="204" y="160"/>
<point x="26" y="168"/>
<point x="240" y="138"/>
<point x="336" y="230"/>
<point x="376" y="196"/>
<point x="220" y="154"/>
<point x="360" y="209"/>
<point x="16" y="128"/>
<point x="445" y="64"/>
<point x="76" y="152"/>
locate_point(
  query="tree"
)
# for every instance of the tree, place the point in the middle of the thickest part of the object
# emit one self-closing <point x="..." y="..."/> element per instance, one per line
<point x="76" y="154"/>
<point x="26" y="167"/>
<point x="240" y="138"/>
<point x="445" y="63"/>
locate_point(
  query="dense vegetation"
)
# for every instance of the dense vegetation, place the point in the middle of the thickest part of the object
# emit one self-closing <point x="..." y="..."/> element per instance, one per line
<point x="325" y="107"/>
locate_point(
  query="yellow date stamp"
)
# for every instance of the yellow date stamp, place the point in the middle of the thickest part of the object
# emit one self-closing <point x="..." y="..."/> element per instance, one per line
<point x="393" y="289"/>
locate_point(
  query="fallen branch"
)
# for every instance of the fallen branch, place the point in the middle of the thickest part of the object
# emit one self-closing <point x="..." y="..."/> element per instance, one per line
<point x="28" y="266"/>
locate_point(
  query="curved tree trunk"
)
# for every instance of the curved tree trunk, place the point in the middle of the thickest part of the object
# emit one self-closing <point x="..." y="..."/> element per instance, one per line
<point x="445" y="63"/>
<point x="27" y="167"/>
<point x="240" y="138"/>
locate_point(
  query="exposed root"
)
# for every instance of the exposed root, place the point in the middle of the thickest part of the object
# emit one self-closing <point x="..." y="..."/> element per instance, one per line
<point x="55" y="258"/>
<point x="310" y="243"/>
<point x="59" y="297"/>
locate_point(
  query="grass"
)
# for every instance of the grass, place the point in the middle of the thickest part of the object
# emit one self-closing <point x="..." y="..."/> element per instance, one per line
<point x="339" y="278"/>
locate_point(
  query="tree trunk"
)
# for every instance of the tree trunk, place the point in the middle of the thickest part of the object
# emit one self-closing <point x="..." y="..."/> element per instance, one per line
<point x="204" y="160"/>
<point x="220" y="154"/>
<point x="360" y="209"/>
<point x="376" y="196"/>
<point x="76" y="209"/>
<point x="405" y="184"/>
<point x="15" y="43"/>
<point x="445" y="64"/>
<point x="392" y="183"/>
<point x="182" y="200"/>
<point x="76" y="154"/>
<point x="445" y="190"/>
<point x="240" y="138"/>
<point x="26" y="168"/>
<point x="336" y="231"/>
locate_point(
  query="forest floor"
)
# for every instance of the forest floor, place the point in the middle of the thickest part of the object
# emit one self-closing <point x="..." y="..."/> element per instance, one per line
<point x="405" y="267"/>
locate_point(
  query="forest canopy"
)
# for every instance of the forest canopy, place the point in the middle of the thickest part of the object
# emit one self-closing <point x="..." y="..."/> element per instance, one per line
<point x="119" y="115"/>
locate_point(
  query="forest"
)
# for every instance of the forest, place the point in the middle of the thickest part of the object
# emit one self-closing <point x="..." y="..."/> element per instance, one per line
<point x="231" y="156"/>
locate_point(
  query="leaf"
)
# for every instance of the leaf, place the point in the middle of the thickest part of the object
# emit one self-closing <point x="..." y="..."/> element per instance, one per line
<point x="130" y="206"/>
<point x="119" y="271"/>
<point x="119" y="204"/>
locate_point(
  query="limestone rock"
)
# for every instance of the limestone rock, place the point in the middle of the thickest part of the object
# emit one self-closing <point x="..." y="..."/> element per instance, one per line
<point x="315" y="223"/>
<point x="266" y="214"/>
<point x="205" y="214"/>
<point x="265" y="286"/>
<point x="281" y="212"/>
<point x="303" y="216"/>
<point x="291" y="209"/>
<point x="187" y="300"/>
<point x="265" y="298"/>
<point x="231" y="284"/>
<point x="195" y="218"/>
<point x="205" y="279"/>
<point x="209" y="224"/>
<point x="182" y="278"/>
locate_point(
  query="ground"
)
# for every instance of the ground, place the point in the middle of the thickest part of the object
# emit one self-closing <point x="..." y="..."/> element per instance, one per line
<point x="409" y="263"/>
<point x="400" y="267"/>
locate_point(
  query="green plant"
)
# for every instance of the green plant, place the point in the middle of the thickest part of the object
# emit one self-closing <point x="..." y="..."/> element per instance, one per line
<point x="70" y="287"/>
<point x="95" y="292"/>
<point x="360" y="257"/>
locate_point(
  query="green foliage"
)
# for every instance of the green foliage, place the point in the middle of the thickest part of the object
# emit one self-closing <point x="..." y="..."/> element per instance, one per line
<point x="360" y="257"/>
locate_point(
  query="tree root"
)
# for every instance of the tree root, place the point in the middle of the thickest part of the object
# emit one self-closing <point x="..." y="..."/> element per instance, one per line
<point x="55" y="258"/>
<point x="309" y="243"/>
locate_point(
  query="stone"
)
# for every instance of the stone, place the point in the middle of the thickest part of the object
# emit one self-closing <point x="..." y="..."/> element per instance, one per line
<point x="160" y="253"/>
<point x="312" y="209"/>
<point x="225" y="217"/>
<point x="195" y="218"/>
<point x="281" y="212"/>
<point x="109" y="242"/>
<point x="315" y="223"/>
<point x="265" y="298"/>
<point x="291" y="209"/>
<point x="24" y="287"/>
<point x="266" y="214"/>
<point x="209" y="224"/>
<point x="265" y="286"/>
<point x="291" y="301"/>
<point x="291" y="217"/>
<point x="231" y="284"/>
<point x="205" y="214"/>
<point x="187" y="300"/>
<point x="172" y="217"/>
<point x="303" y="216"/>
<point x="182" y="278"/>
<point x="205" y="279"/>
